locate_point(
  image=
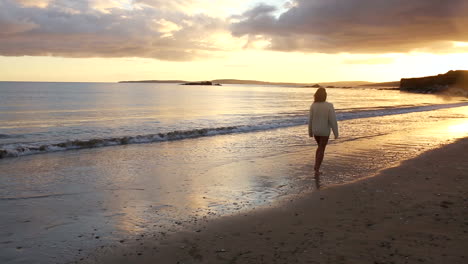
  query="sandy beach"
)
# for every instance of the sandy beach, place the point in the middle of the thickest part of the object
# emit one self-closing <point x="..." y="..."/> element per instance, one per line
<point x="414" y="213"/>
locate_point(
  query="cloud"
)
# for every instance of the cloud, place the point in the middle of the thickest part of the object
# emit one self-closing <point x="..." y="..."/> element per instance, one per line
<point x="189" y="29"/>
<point x="105" y="28"/>
<point x="166" y="5"/>
<point x="217" y="8"/>
<point x="370" y="61"/>
<point x="36" y="3"/>
<point x="359" y="26"/>
<point x="259" y="12"/>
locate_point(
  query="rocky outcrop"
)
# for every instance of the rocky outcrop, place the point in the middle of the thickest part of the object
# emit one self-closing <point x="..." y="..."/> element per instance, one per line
<point x="452" y="81"/>
<point x="313" y="86"/>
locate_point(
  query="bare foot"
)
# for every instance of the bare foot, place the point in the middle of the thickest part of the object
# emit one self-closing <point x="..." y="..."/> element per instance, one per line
<point x="317" y="180"/>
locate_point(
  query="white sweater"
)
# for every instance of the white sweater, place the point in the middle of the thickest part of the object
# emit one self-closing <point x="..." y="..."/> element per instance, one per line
<point x="322" y="117"/>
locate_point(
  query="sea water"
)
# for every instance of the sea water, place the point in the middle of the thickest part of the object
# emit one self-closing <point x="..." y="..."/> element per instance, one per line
<point x="183" y="154"/>
<point x="45" y="117"/>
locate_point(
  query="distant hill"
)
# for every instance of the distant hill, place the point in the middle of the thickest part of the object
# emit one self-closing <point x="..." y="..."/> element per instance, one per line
<point x="452" y="82"/>
<point x="253" y="82"/>
<point x="235" y="81"/>
<point x="383" y="84"/>
<point x="344" y="83"/>
<point x="154" y="81"/>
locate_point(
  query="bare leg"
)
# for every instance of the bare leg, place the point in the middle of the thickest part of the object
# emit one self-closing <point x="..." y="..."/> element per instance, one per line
<point x="320" y="152"/>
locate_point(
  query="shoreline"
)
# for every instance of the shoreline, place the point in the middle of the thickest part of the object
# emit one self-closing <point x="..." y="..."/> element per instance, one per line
<point x="15" y="150"/>
<point x="412" y="213"/>
<point x="92" y="199"/>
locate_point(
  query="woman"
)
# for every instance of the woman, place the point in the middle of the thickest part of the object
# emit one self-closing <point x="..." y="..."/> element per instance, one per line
<point x="322" y="118"/>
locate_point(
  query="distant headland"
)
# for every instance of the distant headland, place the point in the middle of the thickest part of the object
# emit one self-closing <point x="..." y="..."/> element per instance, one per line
<point x="452" y="82"/>
<point x="346" y="84"/>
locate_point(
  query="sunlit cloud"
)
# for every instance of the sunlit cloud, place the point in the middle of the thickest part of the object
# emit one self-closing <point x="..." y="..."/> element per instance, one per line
<point x="460" y="44"/>
<point x="106" y="6"/>
<point x="106" y="28"/>
<point x="219" y="8"/>
<point x="182" y="30"/>
<point x="370" y="61"/>
<point x="360" y="26"/>
<point x="34" y="3"/>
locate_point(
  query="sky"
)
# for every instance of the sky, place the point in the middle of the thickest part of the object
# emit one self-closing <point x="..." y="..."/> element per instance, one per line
<point x="270" y="40"/>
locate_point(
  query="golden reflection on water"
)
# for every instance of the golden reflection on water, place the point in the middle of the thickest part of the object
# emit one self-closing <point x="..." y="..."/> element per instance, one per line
<point x="205" y="183"/>
<point x="128" y="215"/>
<point x="212" y="187"/>
<point x="459" y="129"/>
<point x="216" y="175"/>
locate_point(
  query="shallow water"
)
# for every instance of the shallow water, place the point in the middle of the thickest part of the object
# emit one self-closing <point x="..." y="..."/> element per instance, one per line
<point x="54" y="205"/>
<point x="38" y="118"/>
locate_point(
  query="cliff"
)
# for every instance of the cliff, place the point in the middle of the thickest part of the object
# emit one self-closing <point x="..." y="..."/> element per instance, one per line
<point x="452" y="81"/>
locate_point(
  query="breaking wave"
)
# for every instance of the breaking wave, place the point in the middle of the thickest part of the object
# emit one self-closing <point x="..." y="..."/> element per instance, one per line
<point x="296" y="119"/>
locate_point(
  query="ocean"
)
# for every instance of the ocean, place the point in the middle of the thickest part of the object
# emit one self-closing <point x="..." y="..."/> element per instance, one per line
<point x="86" y="165"/>
<point x="38" y="118"/>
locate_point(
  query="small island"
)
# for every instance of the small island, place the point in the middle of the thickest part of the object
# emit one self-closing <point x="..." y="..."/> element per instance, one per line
<point x="313" y="86"/>
<point x="202" y="83"/>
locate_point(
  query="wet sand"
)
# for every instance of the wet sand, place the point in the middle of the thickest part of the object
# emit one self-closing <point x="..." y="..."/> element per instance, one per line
<point x="61" y="207"/>
<point x="414" y="213"/>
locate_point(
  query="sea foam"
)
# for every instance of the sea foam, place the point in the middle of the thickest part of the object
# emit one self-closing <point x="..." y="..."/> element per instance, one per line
<point x="300" y="118"/>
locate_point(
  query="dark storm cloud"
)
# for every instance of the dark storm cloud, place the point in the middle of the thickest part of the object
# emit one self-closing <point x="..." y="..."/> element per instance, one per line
<point x="360" y="26"/>
<point x="77" y="29"/>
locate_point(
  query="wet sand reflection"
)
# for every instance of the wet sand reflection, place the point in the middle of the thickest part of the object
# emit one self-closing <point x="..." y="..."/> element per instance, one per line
<point x="124" y="191"/>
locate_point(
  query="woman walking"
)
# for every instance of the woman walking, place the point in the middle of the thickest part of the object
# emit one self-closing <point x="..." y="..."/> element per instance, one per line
<point x="322" y="118"/>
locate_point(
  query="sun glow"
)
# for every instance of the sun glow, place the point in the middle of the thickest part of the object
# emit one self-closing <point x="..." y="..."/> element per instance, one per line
<point x="457" y="44"/>
<point x="459" y="129"/>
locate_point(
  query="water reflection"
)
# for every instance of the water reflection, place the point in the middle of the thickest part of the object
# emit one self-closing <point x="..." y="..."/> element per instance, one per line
<point x="459" y="129"/>
<point x="124" y="191"/>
